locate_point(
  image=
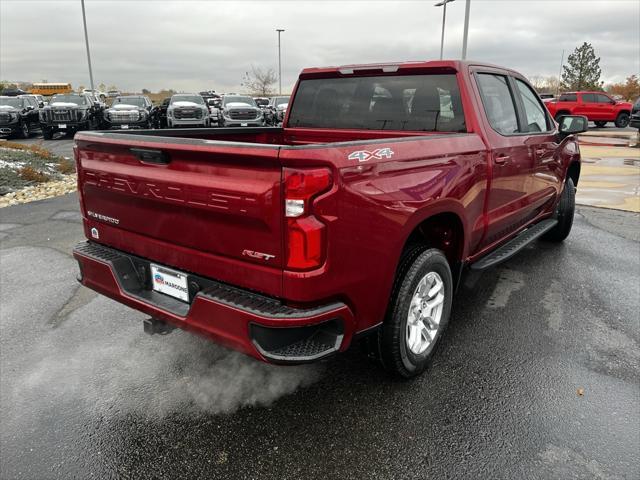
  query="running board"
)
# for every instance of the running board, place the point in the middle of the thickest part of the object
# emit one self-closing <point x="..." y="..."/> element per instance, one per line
<point x="514" y="245"/>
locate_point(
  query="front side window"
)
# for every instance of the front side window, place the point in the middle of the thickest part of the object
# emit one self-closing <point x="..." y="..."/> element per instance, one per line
<point x="424" y="103"/>
<point x="602" y="98"/>
<point x="498" y="103"/>
<point x="533" y="108"/>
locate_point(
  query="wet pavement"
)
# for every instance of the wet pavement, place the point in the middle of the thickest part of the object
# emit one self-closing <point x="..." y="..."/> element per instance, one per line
<point x="536" y="378"/>
<point x="610" y="177"/>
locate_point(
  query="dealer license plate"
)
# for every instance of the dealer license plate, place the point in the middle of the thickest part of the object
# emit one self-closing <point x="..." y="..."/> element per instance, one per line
<point x="62" y="125"/>
<point x="124" y="127"/>
<point x="244" y="124"/>
<point x="169" y="282"/>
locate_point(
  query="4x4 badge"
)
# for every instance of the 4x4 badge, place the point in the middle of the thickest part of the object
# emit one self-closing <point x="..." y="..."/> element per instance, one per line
<point x="377" y="154"/>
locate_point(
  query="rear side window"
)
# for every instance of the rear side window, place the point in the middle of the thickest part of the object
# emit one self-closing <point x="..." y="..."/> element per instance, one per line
<point x="426" y="103"/>
<point x="533" y="109"/>
<point x="498" y="103"/>
<point x="588" y="98"/>
<point x="568" y="97"/>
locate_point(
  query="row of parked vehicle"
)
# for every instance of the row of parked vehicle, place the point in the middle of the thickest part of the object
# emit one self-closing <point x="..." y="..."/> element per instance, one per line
<point x="228" y="110"/>
<point x="72" y="112"/>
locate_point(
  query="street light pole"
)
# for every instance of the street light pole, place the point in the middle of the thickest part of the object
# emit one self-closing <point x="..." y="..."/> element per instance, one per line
<point x="560" y="75"/>
<point x="86" y="41"/>
<point x="466" y="29"/>
<point x="279" y="30"/>
<point x="443" y="3"/>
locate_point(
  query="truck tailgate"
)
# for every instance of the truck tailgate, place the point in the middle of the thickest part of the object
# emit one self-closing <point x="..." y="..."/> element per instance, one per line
<point x="212" y="208"/>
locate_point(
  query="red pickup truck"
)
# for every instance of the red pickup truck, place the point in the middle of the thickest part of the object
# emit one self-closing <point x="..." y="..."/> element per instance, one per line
<point x="358" y="217"/>
<point x="598" y="107"/>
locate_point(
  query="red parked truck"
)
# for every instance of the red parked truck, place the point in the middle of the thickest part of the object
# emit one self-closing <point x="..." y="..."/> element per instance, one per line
<point x="357" y="218"/>
<point x="598" y="107"/>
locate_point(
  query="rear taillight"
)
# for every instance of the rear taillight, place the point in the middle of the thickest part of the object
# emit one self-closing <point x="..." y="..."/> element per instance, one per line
<point x="306" y="242"/>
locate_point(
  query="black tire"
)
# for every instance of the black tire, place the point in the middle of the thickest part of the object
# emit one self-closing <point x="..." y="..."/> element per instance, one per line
<point x="600" y="123"/>
<point x="394" y="353"/>
<point x="564" y="214"/>
<point x="559" y="115"/>
<point x="622" y="120"/>
<point x="24" y="131"/>
<point x="47" y="133"/>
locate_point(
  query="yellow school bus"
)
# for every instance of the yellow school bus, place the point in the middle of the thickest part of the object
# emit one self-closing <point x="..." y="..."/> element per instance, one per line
<point x="48" y="89"/>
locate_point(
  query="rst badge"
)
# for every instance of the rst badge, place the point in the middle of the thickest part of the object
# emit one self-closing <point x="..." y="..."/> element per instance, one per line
<point x="377" y="154"/>
<point x="258" y="255"/>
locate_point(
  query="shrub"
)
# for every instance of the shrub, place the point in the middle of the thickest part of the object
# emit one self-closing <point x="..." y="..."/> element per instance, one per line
<point x="66" y="167"/>
<point x="32" y="175"/>
<point x="38" y="150"/>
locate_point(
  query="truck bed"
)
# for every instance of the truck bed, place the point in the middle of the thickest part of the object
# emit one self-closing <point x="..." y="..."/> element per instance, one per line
<point x="276" y="136"/>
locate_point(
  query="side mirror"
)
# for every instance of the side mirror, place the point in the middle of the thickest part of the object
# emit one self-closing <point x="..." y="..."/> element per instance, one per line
<point x="572" y="124"/>
<point x="41" y="104"/>
<point x="29" y="108"/>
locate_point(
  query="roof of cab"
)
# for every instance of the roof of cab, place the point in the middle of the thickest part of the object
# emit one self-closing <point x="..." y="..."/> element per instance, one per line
<point x="391" y="67"/>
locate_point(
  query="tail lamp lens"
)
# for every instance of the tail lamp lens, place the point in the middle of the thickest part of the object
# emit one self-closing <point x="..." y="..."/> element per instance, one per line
<point x="306" y="243"/>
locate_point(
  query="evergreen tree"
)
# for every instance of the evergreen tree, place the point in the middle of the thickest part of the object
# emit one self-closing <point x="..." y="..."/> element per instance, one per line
<point x="582" y="71"/>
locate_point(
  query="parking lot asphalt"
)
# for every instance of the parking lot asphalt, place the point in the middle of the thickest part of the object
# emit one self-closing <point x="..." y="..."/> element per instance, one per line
<point x="536" y="378"/>
<point x="60" y="144"/>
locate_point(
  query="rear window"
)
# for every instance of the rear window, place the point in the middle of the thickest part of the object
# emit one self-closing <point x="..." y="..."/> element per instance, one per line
<point x="568" y="97"/>
<point x="429" y="103"/>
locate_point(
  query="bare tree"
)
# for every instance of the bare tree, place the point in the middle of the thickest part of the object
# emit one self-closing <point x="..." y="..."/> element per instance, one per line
<point x="552" y="84"/>
<point x="259" y="82"/>
<point x="538" y="82"/>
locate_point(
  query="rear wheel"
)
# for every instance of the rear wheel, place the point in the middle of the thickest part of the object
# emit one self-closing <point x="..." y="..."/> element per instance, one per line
<point x="418" y="313"/>
<point x="564" y="214"/>
<point x="559" y="115"/>
<point x="600" y="123"/>
<point x="622" y="120"/>
<point x="24" y="130"/>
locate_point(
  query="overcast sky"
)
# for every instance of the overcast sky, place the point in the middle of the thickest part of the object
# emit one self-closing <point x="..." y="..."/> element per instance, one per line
<point x="197" y="45"/>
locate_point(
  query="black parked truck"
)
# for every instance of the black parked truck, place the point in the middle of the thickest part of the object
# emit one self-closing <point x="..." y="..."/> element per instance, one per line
<point x="18" y="115"/>
<point x="69" y="113"/>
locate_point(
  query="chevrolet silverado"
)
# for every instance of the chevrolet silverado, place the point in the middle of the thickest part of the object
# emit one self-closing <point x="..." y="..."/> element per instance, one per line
<point x="357" y="218"/>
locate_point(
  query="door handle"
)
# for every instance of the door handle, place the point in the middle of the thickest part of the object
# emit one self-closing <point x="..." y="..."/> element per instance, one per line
<point x="540" y="151"/>
<point x="501" y="159"/>
<point x="145" y="155"/>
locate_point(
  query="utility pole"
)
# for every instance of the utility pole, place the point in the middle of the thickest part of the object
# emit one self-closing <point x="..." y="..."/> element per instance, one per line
<point x="86" y="41"/>
<point x="279" y="30"/>
<point x="443" y="3"/>
<point x="466" y="29"/>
